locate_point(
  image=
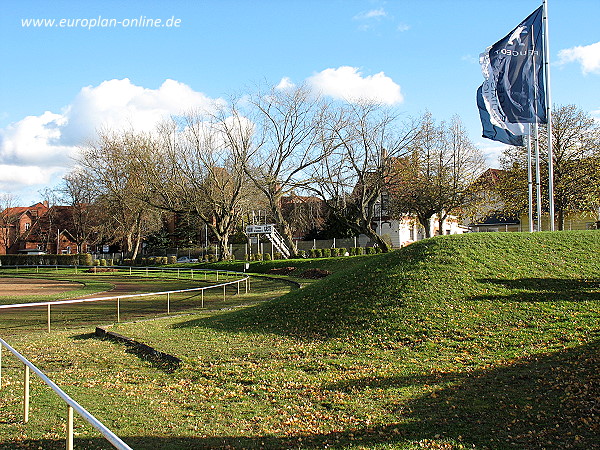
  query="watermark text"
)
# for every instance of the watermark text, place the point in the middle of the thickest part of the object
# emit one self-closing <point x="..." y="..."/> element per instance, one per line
<point x="102" y="22"/>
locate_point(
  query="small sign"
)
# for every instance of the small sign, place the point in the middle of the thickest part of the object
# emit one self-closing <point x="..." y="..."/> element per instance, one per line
<point x="105" y="249"/>
<point x="260" y="229"/>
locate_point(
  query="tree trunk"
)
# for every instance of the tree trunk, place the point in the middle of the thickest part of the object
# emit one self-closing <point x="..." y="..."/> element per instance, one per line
<point x="224" y="254"/>
<point x="286" y="231"/>
<point x="561" y="219"/>
<point x="371" y="234"/>
<point x="426" y="222"/>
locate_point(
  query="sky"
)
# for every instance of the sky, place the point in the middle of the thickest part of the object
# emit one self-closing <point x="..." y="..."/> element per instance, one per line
<point x="112" y="64"/>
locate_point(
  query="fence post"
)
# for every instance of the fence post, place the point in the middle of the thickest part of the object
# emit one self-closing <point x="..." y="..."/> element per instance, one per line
<point x="168" y="303"/>
<point x="26" y="395"/>
<point x="192" y="273"/>
<point x="1" y="365"/>
<point x="202" y="297"/>
<point x="118" y="309"/>
<point x="238" y="287"/>
<point x="129" y="270"/>
<point x="69" y="427"/>
<point x="217" y="273"/>
<point x="224" y="292"/>
<point x="48" y="317"/>
<point x="178" y="274"/>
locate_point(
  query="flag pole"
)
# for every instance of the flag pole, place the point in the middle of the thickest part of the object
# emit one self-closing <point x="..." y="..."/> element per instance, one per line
<point x="548" y="114"/>
<point x="529" y="182"/>
<point x="538" y="184"/>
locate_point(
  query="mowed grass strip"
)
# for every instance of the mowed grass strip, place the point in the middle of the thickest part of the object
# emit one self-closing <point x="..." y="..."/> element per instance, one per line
<point x="484" y="340"/>
<point x="115" y="285"/>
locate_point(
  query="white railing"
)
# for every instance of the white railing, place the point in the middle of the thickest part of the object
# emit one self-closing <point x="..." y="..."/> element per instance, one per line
<point x="118" y="298"/>
<point x="277" y="240"/>
<point x="72" y="405"/>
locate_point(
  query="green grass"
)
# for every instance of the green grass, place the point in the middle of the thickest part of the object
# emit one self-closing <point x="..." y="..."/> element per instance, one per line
<point x="23" y="320"/>
<point x="483" y="340"/>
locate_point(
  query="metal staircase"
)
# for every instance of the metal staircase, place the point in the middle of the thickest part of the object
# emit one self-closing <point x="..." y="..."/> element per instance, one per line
<point x="272" y="235"/>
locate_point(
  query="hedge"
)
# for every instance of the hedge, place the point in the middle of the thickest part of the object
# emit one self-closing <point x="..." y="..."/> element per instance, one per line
<point x="83" y="259"/>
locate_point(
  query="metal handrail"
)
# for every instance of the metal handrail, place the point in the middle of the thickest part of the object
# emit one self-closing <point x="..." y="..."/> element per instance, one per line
<point x="118" y="298"/>
<point x="72" y="404"/>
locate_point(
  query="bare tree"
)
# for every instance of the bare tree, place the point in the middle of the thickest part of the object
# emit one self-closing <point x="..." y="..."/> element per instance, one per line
<point x="109" y="165"/>
<point x="434" y="179"/>
<point x="282" y="160"/>
<point x="576" y="157"/>
<point x="77" y="192"/>
<point x="8" y="220"/>
<point x="362" y="144"/>
<point x="198" y="168"/>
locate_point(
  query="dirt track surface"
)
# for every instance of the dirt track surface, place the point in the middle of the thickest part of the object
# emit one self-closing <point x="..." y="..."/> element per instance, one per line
<point x="27" y="286"/>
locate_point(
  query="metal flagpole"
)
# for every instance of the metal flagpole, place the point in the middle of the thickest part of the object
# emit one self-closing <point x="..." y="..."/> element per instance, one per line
<point x="529" y="181"/>
<point x="548" y="114"/>
<point x="538" y="185"/>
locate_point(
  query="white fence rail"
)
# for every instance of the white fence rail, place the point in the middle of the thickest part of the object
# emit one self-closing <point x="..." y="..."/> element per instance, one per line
<point x="72" y="405"/>
<point x="117" y="298"/>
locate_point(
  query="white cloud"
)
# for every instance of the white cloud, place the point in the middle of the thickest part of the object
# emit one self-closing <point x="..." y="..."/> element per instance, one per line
<point x="38" y="147"/>
<point x="371" y="14"/>
<point x="285" y="83"/>
<point x="348" y="83"/>
<point x="402" y="27"/>
<point x="492" y="151"/>
<point x="588" y="56"/>
<point x="13" y="175"/>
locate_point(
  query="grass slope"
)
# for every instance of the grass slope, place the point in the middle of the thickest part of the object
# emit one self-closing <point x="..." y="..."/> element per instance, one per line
<point x="442" y="288"/>
<point x="476" y="341"/>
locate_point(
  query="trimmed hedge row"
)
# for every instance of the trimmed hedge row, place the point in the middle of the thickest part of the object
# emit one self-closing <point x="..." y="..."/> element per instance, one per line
<point x="82" y="259"/>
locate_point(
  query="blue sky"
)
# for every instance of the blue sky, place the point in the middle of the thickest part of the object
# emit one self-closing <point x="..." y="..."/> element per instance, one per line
<point x="59" y="84"/>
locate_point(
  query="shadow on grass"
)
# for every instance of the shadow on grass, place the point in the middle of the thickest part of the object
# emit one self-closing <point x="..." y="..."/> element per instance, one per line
<point x="546" y="401"/>
<point x="543" y="290"/>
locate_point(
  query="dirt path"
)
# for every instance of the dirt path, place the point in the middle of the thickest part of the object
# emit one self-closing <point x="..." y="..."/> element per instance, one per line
<point x="30" y="286"/>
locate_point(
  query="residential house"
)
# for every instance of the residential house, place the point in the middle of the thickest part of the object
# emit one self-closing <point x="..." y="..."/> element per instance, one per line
<point x="38" y="228"/>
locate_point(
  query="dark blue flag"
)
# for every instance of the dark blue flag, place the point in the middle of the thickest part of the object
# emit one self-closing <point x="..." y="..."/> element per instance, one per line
<point x="513" y="90"/>
<point x="493" y="132"/>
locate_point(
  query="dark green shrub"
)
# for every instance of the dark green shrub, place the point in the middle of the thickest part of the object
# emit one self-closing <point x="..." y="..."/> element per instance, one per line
<point x="171" y="259"/>
<point x="267" y="257"/>
<point x="326" y="252"/>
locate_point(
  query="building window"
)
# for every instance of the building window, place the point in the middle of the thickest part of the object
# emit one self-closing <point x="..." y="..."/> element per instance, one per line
<point x="27" y="226"/>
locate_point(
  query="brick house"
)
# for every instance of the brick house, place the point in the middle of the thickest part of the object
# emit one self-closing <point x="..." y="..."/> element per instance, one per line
<point x="38" y="228"/>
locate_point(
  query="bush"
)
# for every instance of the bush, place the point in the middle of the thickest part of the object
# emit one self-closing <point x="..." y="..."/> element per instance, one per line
<point x="258" y="257"/>
<point x="267" y="257"/>
<point x="359" y="250"/>
<point x="85" y="259"/>
<point x="370" y="250"/>
<point x="171" y="259"/>
<point x="277" y="255"/>
<point x="301" y="254"/>
<point x="326" y="252"/>
<point x="211" y="258"/>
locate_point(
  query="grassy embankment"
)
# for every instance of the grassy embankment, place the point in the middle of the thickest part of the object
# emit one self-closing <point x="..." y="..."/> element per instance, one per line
<point x="486" y="341"/>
